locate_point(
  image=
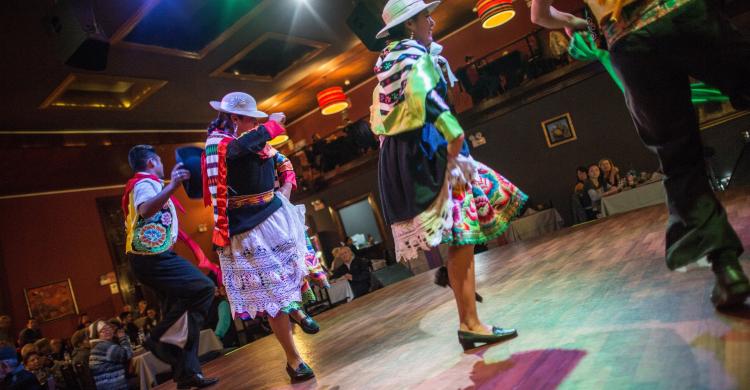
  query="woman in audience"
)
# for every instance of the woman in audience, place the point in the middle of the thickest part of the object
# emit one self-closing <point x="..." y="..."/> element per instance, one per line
<point x="610" y="173"/>
<point x="108" y="359"/>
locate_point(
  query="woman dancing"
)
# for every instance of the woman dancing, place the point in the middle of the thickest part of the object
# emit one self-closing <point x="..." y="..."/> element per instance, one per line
<point x="431" y="189"/>
<point x="260" y="235"/>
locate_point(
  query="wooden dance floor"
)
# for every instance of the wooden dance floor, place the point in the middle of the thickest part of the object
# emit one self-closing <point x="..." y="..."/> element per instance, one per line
<point x="594" y="305"/>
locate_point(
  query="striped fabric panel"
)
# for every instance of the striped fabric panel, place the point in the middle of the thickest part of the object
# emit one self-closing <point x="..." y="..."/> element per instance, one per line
<point x="393" y="66"/>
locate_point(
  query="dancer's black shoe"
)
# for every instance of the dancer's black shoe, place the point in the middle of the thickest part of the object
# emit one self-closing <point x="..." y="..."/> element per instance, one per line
<point x="468" y="340"/>
<point x="302" y="373"/>
<point x="308" y="324"/>
<point x="732" y="286"/>
<point x="197" y="381"/>
<point x="441" y="279"/>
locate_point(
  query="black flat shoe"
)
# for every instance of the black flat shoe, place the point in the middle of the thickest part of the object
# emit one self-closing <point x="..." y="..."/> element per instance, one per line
<point x="469" y="339"/>
<point x="197" y="381"/>
<point x="308" y="324"/>
<point x="441" y="279"/>
<point x="302" y="373"/>
<point x="732" y="286"/>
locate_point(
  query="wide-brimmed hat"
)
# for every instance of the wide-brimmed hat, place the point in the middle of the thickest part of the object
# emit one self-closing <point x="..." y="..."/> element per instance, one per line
<point x="399" y="11"/>
<point x="238" y="103"/>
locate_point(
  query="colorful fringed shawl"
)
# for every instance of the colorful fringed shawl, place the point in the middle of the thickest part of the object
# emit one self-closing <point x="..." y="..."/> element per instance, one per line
<point x="406" y="95"/>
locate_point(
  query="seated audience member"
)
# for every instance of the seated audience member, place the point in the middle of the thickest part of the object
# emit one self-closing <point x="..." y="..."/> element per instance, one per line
<point x="108" y="360"/>
<point x="13" y="375"/>
<point x="50" y="370"/>
<point x="609" y="172"/>
<point x="5" y="332"/>
<point x="594" y="187"/>
<point x="81" y="348"/>
<point x="126" y="308"/>
<point x="33" y="363"/>
<point x="582" y="207"/>
<point x="142" y="307"/>
<point x="30" y="333"/>
<point x="126" y="319"/>
<point x="83" y="321"/>
<point x="58" y="350"/>
<point x="151" y="320"/>
<point x="354" y="269"/>
<point x="220" y="316"/>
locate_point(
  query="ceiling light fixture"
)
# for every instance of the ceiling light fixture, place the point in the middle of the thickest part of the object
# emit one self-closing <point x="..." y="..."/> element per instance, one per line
<point x="494" y="13"/>
<point x="332" y="100"/>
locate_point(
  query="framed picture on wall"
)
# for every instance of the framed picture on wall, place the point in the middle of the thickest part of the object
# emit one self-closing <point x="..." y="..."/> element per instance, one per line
<point x="52" y="301"/>
<point x="559" y="130"/>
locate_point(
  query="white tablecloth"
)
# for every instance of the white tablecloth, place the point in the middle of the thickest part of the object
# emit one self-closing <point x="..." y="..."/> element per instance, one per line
<point x="340" y="291"/>
<point x="146" y="366"/>
<point x="534" y="225"/>
<point x="636" y="198"/>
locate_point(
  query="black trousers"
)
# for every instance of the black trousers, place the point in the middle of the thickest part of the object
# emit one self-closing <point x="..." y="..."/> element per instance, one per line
<point x="654" y="64"/>
<point x="180" y="287"/>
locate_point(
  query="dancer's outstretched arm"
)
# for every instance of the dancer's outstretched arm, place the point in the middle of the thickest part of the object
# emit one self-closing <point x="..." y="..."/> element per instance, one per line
<point x="545" y="15"/>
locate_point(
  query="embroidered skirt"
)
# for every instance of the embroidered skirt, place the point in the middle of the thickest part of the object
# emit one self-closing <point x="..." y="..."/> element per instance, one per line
<point x="469" y="203"/>
<point x="264" y="268"/>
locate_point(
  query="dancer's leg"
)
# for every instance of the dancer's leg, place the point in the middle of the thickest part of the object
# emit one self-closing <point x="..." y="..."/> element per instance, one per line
<point x="463" y="282"/>
<point x="282" y="329"/>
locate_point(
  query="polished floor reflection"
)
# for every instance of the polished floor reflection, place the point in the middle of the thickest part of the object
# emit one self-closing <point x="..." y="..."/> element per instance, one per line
<point x="595" y="306"/>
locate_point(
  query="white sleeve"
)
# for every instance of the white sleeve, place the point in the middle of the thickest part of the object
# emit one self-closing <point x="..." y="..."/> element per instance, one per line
<point x="143" y="191"/>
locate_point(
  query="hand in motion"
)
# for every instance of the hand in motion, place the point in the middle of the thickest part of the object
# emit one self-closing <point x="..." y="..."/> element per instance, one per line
<point x="454" y="147"/>
<point x="179" y="174"/>
<point x="278" y="117"/>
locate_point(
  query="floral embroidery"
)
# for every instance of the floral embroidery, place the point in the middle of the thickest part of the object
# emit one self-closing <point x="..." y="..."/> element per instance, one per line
<point x="166" y="219"/>
<point x="152" y="235"/>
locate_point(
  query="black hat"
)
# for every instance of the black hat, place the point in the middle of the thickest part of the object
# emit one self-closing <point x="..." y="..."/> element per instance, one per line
<point x="190" y="157"/>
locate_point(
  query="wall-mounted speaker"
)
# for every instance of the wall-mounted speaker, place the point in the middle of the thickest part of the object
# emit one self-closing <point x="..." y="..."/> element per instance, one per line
<point x="365" y="21"/>
<point x="80" y="42"/>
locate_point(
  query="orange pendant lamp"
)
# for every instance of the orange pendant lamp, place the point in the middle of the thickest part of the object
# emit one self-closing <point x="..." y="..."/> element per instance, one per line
<point x="494" y="13"/>
<point x="332" y="100"/>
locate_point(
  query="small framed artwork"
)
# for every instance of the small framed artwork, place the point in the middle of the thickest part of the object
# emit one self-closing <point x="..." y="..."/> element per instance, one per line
<point x="559" y="130"/>
<point x="52" y="301"/>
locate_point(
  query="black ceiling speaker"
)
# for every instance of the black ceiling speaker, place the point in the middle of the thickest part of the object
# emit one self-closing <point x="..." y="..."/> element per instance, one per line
<point x="365" y="21"/>
<point x="80" y="42"/>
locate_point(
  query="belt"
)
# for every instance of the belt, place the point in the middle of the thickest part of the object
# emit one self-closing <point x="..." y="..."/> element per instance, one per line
<point x="236" y="202"/>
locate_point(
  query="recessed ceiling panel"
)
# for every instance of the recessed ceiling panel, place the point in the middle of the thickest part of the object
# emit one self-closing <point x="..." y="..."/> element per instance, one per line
<point x="269" y="56"/>
<point x="188" y="28"/>
<point x="101" y="92"/>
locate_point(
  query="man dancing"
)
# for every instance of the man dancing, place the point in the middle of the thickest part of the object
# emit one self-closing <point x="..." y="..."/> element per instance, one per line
<point x="655" y="47"/>
<point x="185" y="293"/>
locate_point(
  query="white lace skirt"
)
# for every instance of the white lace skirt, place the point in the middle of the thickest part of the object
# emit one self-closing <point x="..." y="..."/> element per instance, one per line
<point x="263" y="269"/>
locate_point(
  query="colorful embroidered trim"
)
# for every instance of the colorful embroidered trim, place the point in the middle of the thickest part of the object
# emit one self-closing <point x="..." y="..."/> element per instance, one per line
<point x="236" y="202"/>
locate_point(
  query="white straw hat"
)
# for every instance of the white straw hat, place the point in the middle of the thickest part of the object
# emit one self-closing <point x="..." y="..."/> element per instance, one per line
<point x="238" y="103"/>
<point x="399" y="11"/>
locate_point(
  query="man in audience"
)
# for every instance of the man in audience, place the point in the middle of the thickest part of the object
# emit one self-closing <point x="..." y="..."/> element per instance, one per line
<point x="5" y="324"/>
<point x="13" y="375"/>
<point x="83" y="321"/>
<point x="30" y="334"/>
<point x="126" y="320"/>
<point x="354" y="269"/>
